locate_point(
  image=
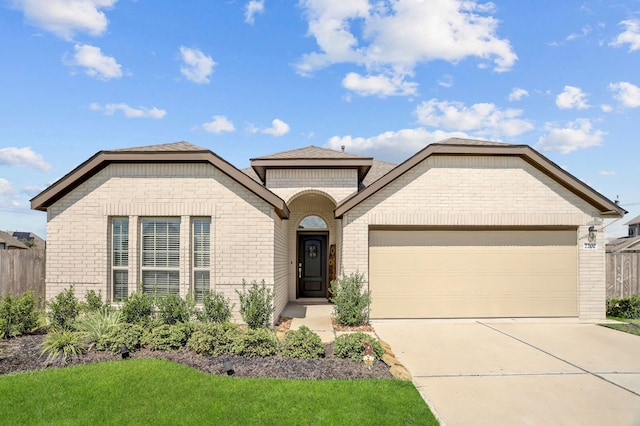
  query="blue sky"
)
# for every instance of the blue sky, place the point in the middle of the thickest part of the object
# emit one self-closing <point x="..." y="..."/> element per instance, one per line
<point x="250" y="78"/>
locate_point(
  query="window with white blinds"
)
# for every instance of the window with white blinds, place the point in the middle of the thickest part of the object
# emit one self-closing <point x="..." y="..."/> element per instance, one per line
<point x="119" y="258"/>
<point x="201" y="257"/>
<point x="160" y="255"/>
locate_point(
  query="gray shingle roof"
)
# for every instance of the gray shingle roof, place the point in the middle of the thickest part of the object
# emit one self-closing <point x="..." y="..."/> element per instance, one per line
<point x="309" y="152"/>
<point x="165" y="147"/>
<point x="462" y="141"/>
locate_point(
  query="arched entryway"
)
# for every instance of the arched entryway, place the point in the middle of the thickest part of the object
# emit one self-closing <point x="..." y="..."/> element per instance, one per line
<point x="312" y="243"/>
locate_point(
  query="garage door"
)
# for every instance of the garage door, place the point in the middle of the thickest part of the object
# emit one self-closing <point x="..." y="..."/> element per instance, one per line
<point x="473" y="274"/>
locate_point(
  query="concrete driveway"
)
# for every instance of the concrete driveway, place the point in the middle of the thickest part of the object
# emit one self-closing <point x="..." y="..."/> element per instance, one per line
<point x="493" y="372"/>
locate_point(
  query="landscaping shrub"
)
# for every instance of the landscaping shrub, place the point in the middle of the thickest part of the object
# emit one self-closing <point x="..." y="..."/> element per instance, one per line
<point x="625" y="307"/>
<point x="215" y="308"/>
<point x="256" y="304"/>
<point x="173" y="309"/>
<point x="63" y="343"/>
<point x="168" y="337"/>
<point x="63" y="309"/>
<point x="121" y="334"/>
<point x="351" y="345"/>
<point x="302" y="343"/>
<point x="351" y="302"/>
<point x="18" y="315"/>
<point x="137" y="308"/>
<point x="96" y="324"/>
<point x="213" y="339"/>
<point x="255" y="342"/>
<point x="93" y="302"/>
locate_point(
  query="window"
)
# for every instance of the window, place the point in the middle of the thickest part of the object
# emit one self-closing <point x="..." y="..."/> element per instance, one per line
<point x="161" y="255"/>
<point x="120" y="258"/>
<point x="312" y="222"/>
<point x="201" y="257"/>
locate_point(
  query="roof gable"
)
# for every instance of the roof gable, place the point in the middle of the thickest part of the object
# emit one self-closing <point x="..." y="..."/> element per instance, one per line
<point x="456" y="146"/>
<point x="9" y="241"/>
<point x="180" y="152"/>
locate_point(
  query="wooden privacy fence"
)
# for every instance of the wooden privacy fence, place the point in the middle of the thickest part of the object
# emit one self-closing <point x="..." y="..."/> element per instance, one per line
<point x="623" y="274"/>
<point x="22" y="270"/>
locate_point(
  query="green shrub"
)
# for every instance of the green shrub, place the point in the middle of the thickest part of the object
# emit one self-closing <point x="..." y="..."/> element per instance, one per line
<point x="63" y="343"/>
<point x="173" y="309"/>
<point x="255" y="342"/>
<point x="121" y="334"/>
<point x="302" y="343"/>
<point x="215" y="308"/>
<point x="18" y="315"/>
<point x="351" y="345"/>
<point x="625" y="307"/>
<point x="63" y="309"/>
<point x="96" y="324"/>
<point x="256" y="304"/>
<point x="137" y="308"/>
<point x="169" y="337"/>
<point x="351" y="301"/>
<point x="93" y="302"/>
<point x="213" y="339"/>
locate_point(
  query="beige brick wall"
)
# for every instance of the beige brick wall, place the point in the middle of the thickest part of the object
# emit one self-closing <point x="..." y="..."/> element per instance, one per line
<point x="337" y="183"/>
<point x="242" y="226"/>
<point x="478" y="191"/>
<point x="281" y="265"/>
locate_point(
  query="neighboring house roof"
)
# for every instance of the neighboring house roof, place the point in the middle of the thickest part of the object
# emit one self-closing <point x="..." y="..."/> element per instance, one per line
<point x="623" y="244"/>
<point x="8" y="241"/>
<point x="34" y="240"/>
<point x="634" y="221"/>
<point x="311" y="157"/>
<point x="457" y="146"/>
<point x="179" y="152"/>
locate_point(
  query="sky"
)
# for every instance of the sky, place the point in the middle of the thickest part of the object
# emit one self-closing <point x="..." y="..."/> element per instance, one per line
<point x="251" y="78"/>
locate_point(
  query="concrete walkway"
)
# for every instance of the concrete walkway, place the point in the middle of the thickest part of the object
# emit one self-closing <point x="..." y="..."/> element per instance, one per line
<point x="316" y="315"/>
<point x="514" y="373"/>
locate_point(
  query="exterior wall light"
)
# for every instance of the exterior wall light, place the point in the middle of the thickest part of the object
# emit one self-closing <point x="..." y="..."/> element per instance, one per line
<point x="592" y="234"/>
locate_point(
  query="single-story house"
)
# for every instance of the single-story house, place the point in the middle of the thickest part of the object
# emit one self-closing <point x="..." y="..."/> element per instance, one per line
<point x="462" y="229"/>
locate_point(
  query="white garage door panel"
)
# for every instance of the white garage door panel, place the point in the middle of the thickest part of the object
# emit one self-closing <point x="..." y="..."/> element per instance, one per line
<point x="457" y="274"/>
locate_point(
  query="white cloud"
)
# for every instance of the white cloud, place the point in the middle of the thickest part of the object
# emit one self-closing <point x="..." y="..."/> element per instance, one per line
<point x="398" y="35"/>
<point x="97" y="65"/>
<point x="5" y="188"/>
<point x="517" y="94"/>
<point x="577" y="134"/>
<point x="405" y="141"/>
<point x="64" y="18"/>
<point x="378" y="85"/>
<point x="128" y="111"/>
<point x="626" y="93"/>
<point x="219" y="124"/>
<point x="481" y="118"/>
<point x="278" y="128"/>
<point x="22" y="157"/>
<point x="606" y="108"/>
<point x="253" y="8"/>
<point x="446" y="81"/>
<point x="572" y="98"/>
<point x="607" y="173"/>
<point x="631" y="35"/>
<point x="197" y="67"/>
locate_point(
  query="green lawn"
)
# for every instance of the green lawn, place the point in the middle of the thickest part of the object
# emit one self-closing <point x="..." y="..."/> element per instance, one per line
<point x="151" y="391"/>
<point x="632" y="327"/>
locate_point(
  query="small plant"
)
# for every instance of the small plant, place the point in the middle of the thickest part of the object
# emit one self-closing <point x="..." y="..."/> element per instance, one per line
<point x="215" y="308"/>
<point x="93" y="302"/>
<point x="18" y="315"/>
<point x="95" y="325"/>
<point x="122" y="334"/>
<point x="625" y="307"/>
<point x="352" y="346"/>
<point x="256" y="304"/>
<point x="213" y="339"/>
<point x="169" y="337"/>
<point x="137" y="308"/>
<point x="63" y="344"/>
<point x="351" y="301"/>
<point x="63" y="309"/>
<point x="255" y="342"/>
<point x="302" y="343"/>
<point x="173" y="309"/>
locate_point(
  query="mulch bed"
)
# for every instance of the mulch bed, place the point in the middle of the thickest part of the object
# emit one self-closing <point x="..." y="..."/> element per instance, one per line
<point x="23" y="353"/>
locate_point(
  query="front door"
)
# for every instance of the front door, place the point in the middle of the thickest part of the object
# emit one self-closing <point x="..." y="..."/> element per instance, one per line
<point x="312" y="265"/>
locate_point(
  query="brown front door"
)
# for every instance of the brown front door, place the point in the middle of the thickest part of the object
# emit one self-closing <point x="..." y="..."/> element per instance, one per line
<point x="312" y="265"/>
